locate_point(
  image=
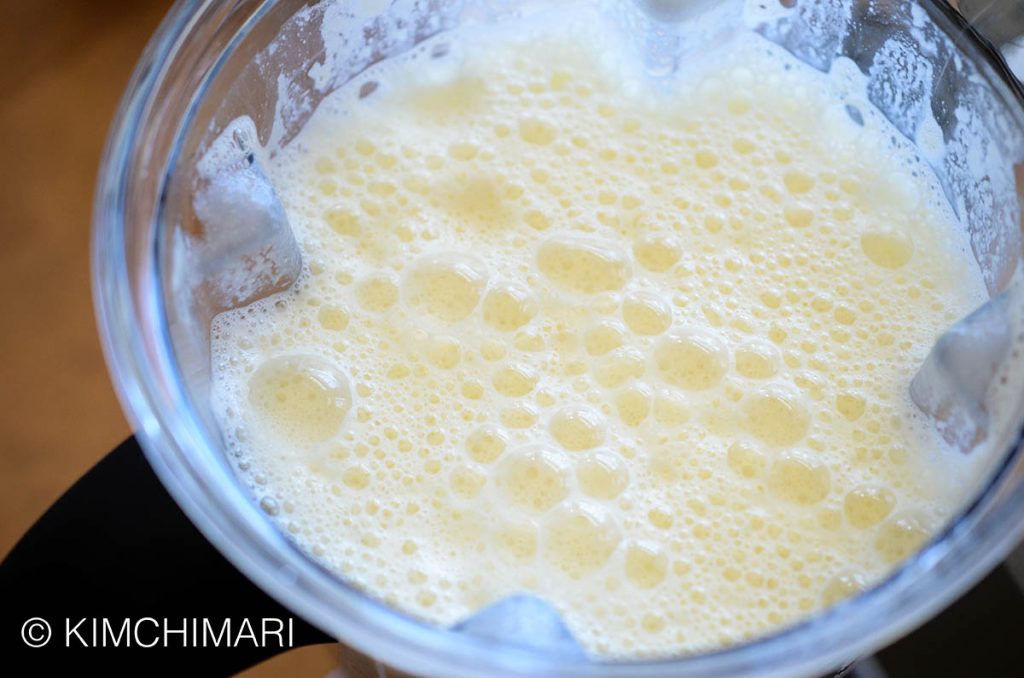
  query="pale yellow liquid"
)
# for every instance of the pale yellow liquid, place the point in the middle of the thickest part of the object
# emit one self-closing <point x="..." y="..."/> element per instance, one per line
<point x="642" y="350"/>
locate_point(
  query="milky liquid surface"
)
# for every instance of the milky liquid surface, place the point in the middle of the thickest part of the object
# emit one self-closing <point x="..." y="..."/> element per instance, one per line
<point x="640" y="348"/>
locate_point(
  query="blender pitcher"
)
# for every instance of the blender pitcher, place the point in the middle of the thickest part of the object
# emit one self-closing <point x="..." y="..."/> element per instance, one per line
<point x="187" y="225"/>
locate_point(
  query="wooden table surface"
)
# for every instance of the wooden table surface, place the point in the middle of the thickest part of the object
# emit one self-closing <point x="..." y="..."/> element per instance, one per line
<point x="65" y="64"/>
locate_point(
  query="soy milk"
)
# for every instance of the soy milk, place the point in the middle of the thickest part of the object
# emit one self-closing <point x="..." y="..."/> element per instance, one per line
<point x="640" y="347"/>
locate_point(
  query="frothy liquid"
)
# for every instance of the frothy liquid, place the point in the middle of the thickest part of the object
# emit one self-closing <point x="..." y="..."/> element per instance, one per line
<point x="640" y="348"/>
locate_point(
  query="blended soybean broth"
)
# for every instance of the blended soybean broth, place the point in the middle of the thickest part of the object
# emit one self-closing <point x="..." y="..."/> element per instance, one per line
<point x="638" y="346"/>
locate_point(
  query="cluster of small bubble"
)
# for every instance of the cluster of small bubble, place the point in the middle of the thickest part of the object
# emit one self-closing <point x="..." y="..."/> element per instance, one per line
<point x="640" y="357"/>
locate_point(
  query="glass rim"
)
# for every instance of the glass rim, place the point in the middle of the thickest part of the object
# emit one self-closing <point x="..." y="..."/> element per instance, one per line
<point x="145" y="373"/>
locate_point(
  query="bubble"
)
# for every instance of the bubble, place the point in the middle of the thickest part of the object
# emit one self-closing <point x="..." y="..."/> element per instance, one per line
<point x="577" y="427"/>
<point x="356" y="478"/>
<point x="486" y="443"/>
<point x="270" y="506"/>
<point x="472" y="389"/>
<point x="443" y="352"/>
<point x="670" y="408"/>
<point x="660" y="518"/>
<point x="652" y="623"/>
<point x="798" y="216"/>
<point x="840" y="587"/>
<point x="798" y="182"/>
<point x="757" y="360"/>
<point x="695" y="360"/>
<point x="377" y="293"/>
<point x="492" y="349"/>
<point x="743" y="146"/>
<point x="604" y="337"/>
<point x="531" y="342"/>
<point x="844" y="316"/>
<point x="796" y="477"/>
<point x="463" y="151"/>
<point x="333" y="318"/>
<point x="466" y="482"/>
<point x="900" y="537"/>
<point x="302" y="398"/>
<point x="537" y="132"/>
<point x="646" y="314"/>
<point x="514" y="380"/>
<point x="580" y="538"/>
<point x="646" y="564"/>
<point x="868" y="506"/>
<point x="343" y="221"/>
<point x="746" y="460"/>
<point x="705" y="159"/>
<point x="887" y="248"/>
<point x="537" y="220"/>
<point x="601" y="475"/>
<point x="519" y="416"/>
<point x="475" y="199"/>
<point x="515" y="540"/>
<point x="771" y="299"/>
<point x="850" y="405"/>
<point x="582" y="265"/>
<point x="534" y="478"/>
<point x="446" y="287"/>
<point x="777" y="416"/>
<point x="821" y="304"/>
<point x="633" y="404"/>
<point x="399" y="371"/>
<point x="619" y="366"/>
<point x="714" y="223"/>
<point x="365" y="147"/>
<point x="509" y="307"/>
<point x="656" y="253"/>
